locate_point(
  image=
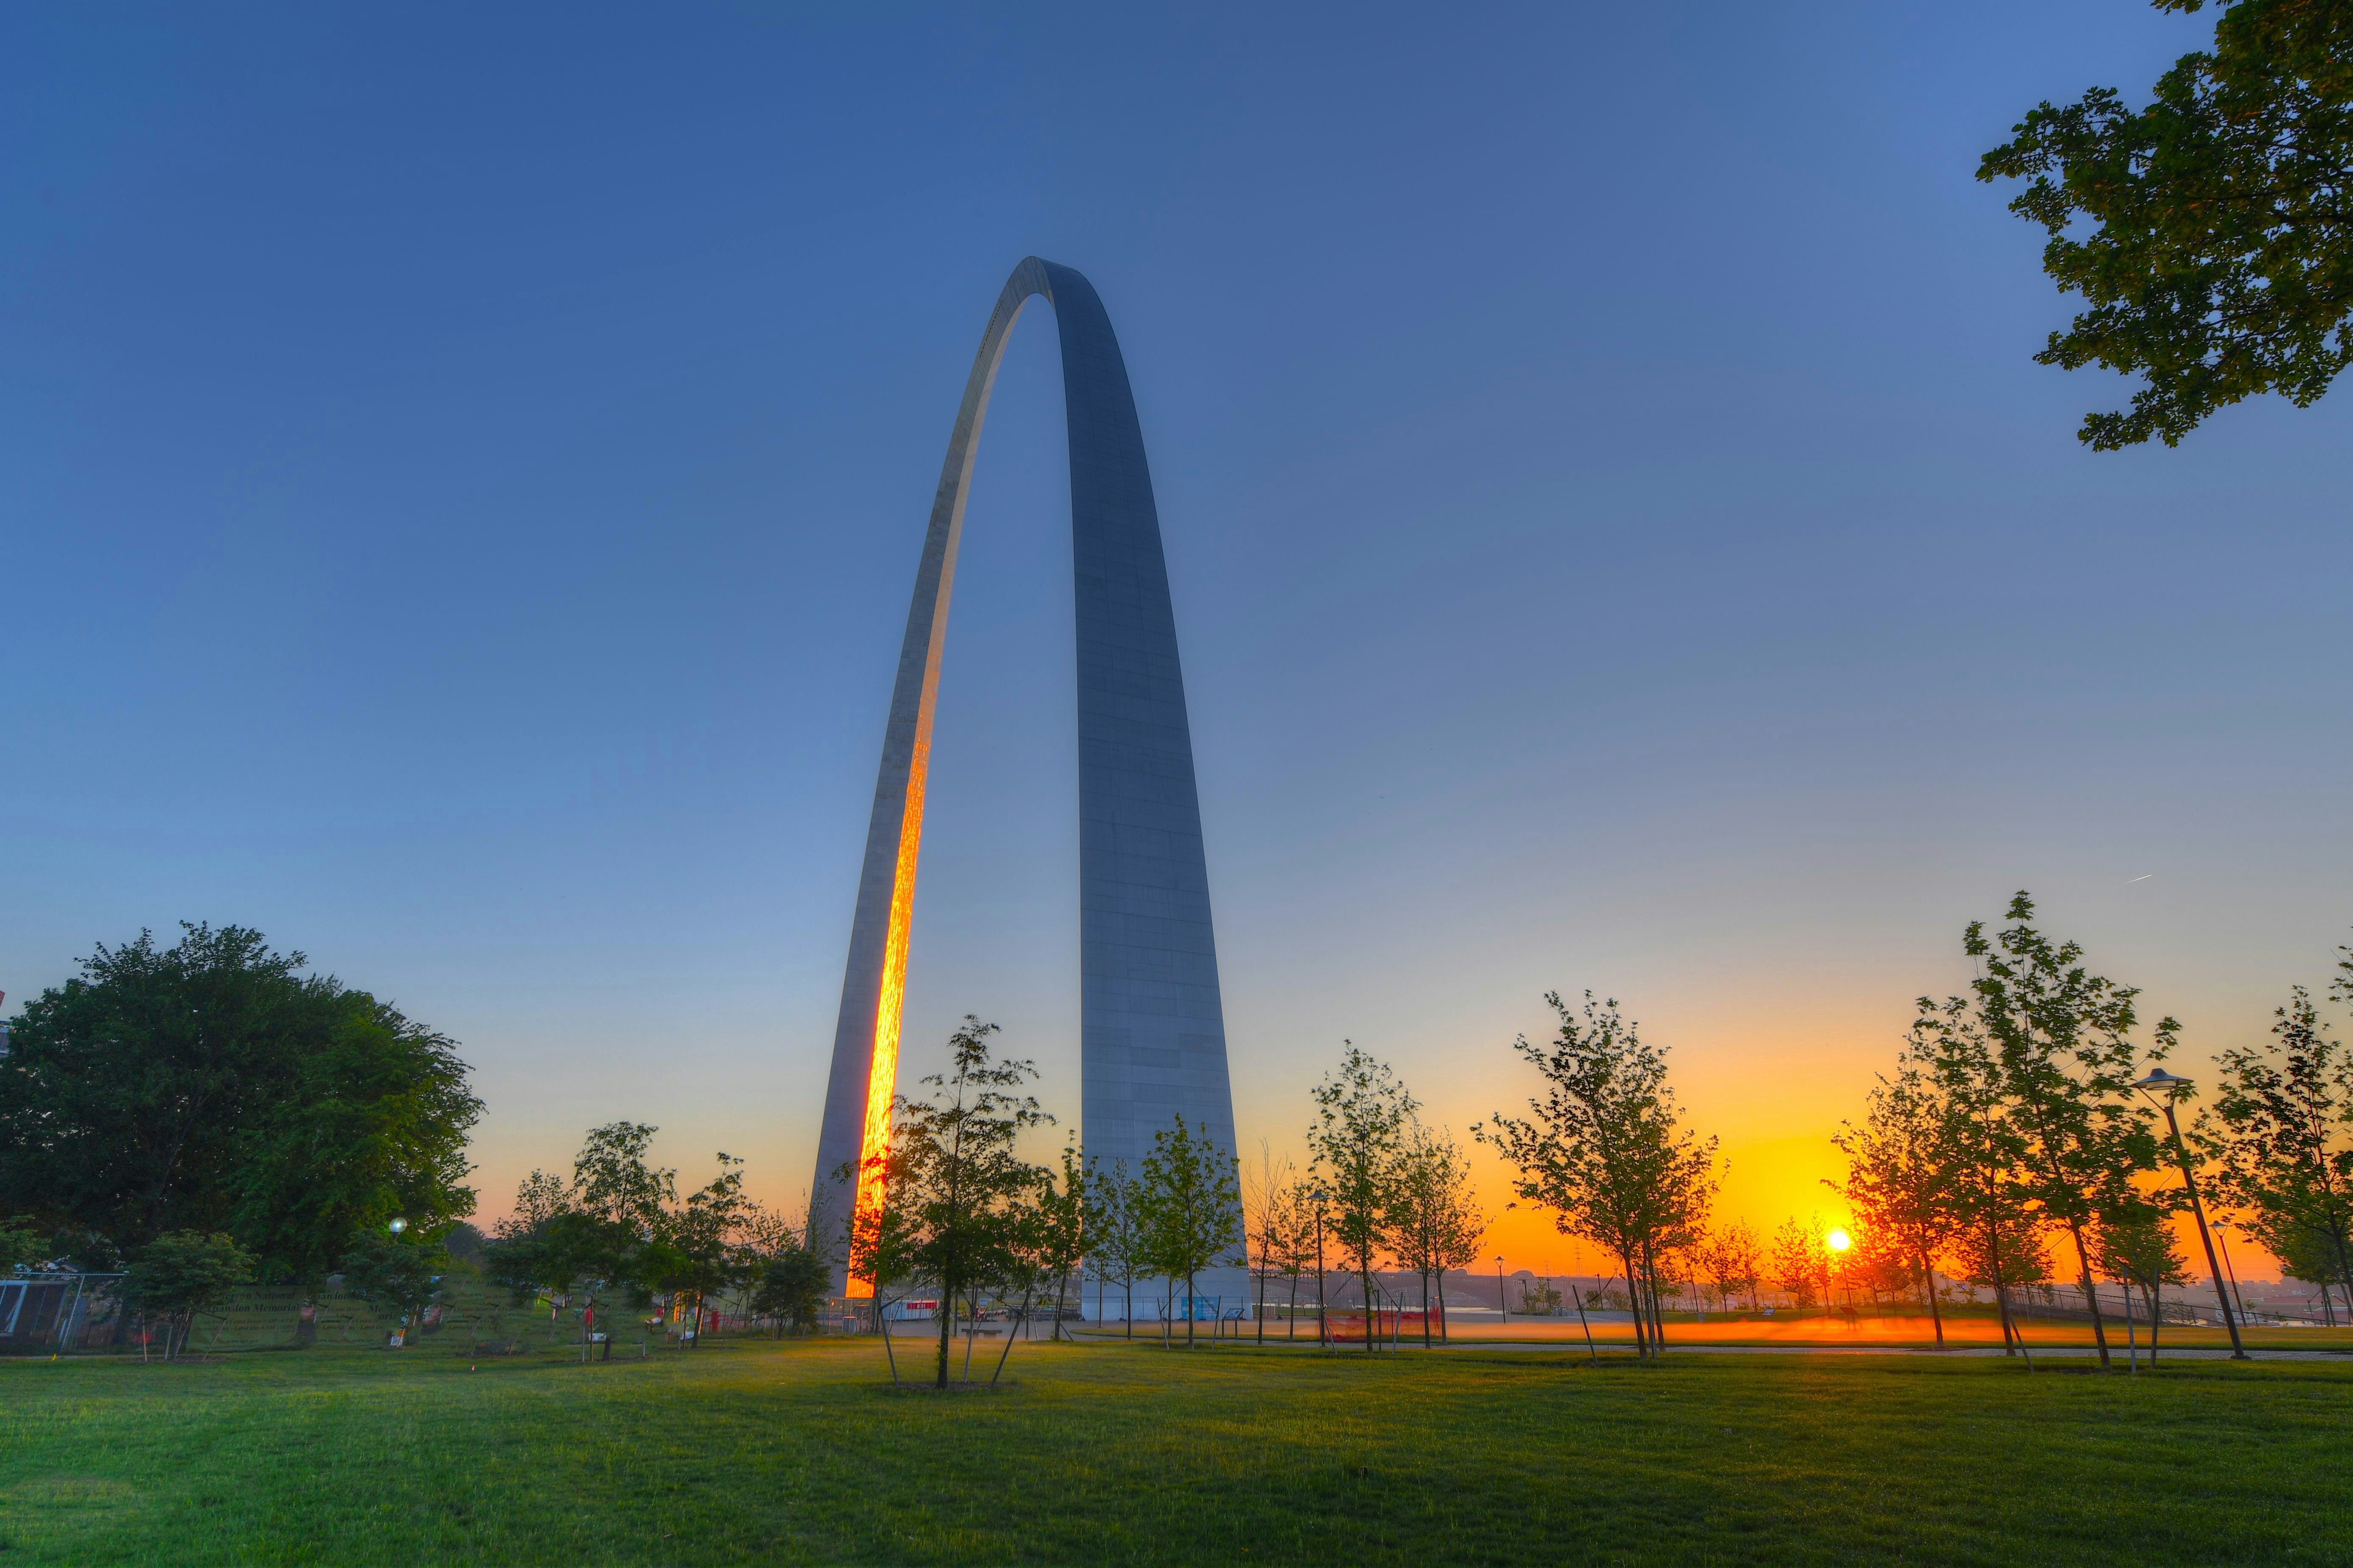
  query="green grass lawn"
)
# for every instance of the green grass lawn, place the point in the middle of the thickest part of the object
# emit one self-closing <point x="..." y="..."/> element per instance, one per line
<point x="757" y="1452"/>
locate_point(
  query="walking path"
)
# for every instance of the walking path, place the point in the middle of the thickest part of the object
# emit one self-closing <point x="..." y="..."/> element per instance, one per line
<point x="2116" y="1352"/>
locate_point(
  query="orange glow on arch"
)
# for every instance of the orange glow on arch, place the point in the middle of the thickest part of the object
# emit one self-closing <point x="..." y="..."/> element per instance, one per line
<point x="882" y="1075"/>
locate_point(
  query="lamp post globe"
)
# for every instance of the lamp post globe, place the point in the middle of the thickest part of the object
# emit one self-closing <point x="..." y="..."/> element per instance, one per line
<point x="399" y="1225"/>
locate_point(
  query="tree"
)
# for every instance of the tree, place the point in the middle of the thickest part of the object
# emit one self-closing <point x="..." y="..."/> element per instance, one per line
<point x="701" y="1248"/>
<point x="1605" y="1149"/>
<point x="182" y="1273"/>
<point x="1362" y="1116"/>
<point x="2137" y="1251"/>
<point x="603" y="1231"/>
<point x="1268" y="1223"/>
<point x="791" y="1288"/>
<point x="1898" y="1178"/>
<point x="396" y="1272"/>
<point x="2218" y="259"/>
<point x="213" y="1086"/>
<point x="22" y="1244"/>
<point x="2281" y="1130"/>
<point x="1801" y="1260"/>
<point x="883" y="1244"/>
<point x="954" y="1157"/>
<point x="1734" y="1260"/>
<point x="1115" y="1243"/>
<point x="2063" y="1039"/>
<point x="1188" y="1198"/>
<point x="1440" y="1222"/>
<point x="1061" y="1220"/>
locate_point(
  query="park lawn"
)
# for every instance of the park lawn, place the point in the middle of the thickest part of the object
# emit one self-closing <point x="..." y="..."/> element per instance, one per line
<point x="757" y="1451"/>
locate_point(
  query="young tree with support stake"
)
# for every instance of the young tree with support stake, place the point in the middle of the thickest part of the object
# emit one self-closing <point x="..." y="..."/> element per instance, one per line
<point x="1114" y="1235"/>
<point x="2061" y="1040"/>
<point x="1275" y="1223"/>
<point x="1605" y="1149"/>
<point x="1188" y="1198"/>
<point x="1061" y="1220"/>
<point x="1897" y="1177"/>
<point x="1364" y="1116"/>
<point x="957" y="1179"/>
<point x="2280" y="1134"/>
<point x="885" y="1244"/>
<point x="1440" y="1224"/>
<point x="1734" y="1260"/>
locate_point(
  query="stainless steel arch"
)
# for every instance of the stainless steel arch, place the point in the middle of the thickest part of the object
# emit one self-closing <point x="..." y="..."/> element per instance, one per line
<point x="1152" y="1043"/>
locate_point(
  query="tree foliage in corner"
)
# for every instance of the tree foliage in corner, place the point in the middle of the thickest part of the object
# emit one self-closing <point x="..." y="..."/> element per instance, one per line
<point x="212" y="1087"/>
<point x="2219" y="262"/>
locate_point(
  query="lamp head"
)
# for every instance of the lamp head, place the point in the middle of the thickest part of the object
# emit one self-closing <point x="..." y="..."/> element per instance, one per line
<point x="399" y="1225"/>
<point x="2159" y="1082"/>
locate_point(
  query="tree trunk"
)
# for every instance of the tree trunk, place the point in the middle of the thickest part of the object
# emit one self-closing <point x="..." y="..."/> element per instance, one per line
<point x="947" y="1323"/>
<point x="1191" y="1311"/>
<point x="882" y="1321"/>
<point x="1261" y="1298"/>
<point x="1928" y="1280"/>
<point x="2091" y="1292"/>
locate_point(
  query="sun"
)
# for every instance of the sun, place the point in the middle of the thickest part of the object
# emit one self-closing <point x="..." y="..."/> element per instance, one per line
<point x="1838" y="1241"/>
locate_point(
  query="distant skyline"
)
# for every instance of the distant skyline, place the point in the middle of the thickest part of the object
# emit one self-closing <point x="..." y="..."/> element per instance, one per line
<point x="464" y="471"/>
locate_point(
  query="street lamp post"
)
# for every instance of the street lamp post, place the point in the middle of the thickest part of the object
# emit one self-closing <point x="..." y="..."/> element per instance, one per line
<point x="1323" y="1320"/>
<point x="1500" y="1305"/>
<point x="2159" y="1078"/>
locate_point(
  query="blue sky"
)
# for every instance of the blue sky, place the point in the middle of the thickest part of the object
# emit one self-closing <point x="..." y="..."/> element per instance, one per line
<point x="464" y="472"/>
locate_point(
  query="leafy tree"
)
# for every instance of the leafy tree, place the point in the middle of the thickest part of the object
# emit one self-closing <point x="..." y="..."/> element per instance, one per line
<point x="2062" y="1037"/>
<point x="1898" y="1178"/>
<point x="1605" y="1148"/>
<point x="182" y="1273"/>
<point x="2210" y="232"/>
<point x="1801" y="1260"/>
<point x="1188" y="1197"/>
<point x="1734" y="1260"/>
<point x="2281" y="1130"/>
<point x="1440" y="1222"/>
<point x="1991" y="1209"/>
<point x="213" y="1086"/>
<point x="702" y="1253"/>
<point x="2139" y="1250"/>
<point x="792" y="1287"/>
<point x="396" y="1272"/>
<point x="1061" y="1221"/>
<point x="22" y="1244"/>
<point x="463" y="1242"/>
<point x="1364" y="1116"/>
<point x="1269" y="1222"/>
<point x="604" y="1231"/>
<point x="960" y="1179"/>
<point x="1115" y="1241"/>
<point x="883" y="1245"/>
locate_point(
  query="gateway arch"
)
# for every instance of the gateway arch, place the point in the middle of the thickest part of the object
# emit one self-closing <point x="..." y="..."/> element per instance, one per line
<point x="1153" y="1033"/>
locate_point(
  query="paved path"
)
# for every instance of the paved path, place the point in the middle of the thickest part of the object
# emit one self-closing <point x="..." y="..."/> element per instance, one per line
<point x="2187" y="1352"/>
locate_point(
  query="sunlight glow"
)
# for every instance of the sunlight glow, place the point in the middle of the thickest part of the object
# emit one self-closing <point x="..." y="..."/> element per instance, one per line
<point x="1838" y="1241"/>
